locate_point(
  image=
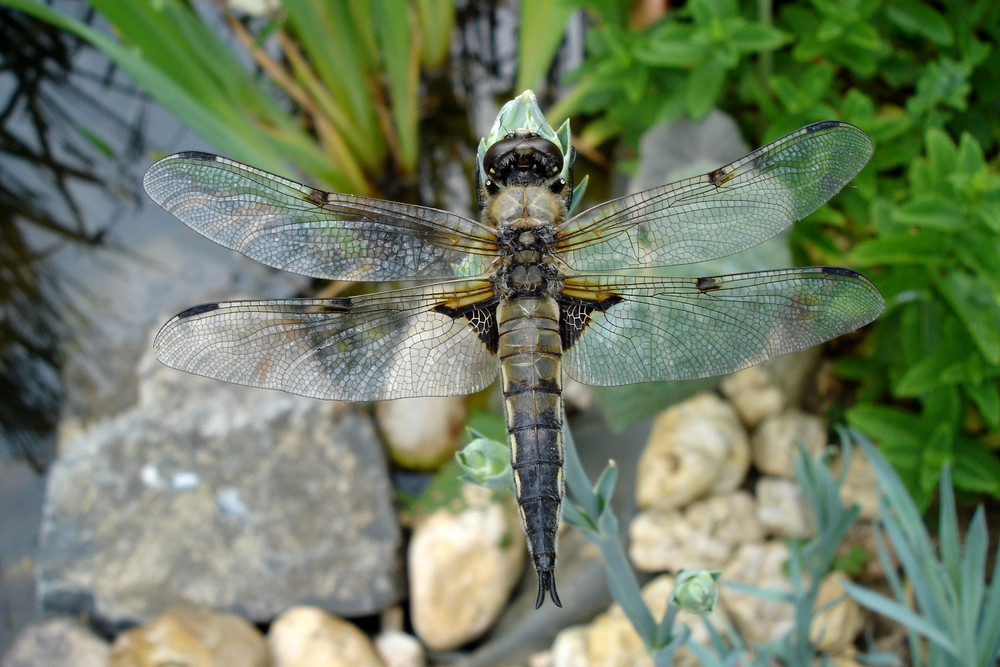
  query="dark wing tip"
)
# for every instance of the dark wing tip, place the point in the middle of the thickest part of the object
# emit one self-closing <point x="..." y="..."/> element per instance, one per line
<point x="547" y="582"/>
<point x="197" y="310"/>
<point x="840" y="271"/>
<point x="824" y="125"/>
<point x="196" y="155"/>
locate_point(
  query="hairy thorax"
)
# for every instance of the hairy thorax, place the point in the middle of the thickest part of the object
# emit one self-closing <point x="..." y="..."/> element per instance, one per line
<point x="526" y="219"/>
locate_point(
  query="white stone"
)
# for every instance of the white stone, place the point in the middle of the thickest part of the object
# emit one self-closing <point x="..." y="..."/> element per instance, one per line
<point x="570" y="648"/>
<point x="189" y="636"/>
<point x="463" y="566"/>
<point x="310" y="637"/>
<point x="754" y="395"/>
<point x="783" y="509"/>
<point x="776" y="441"/>
<point x="860" y="484"/>
<point x="695" y="447"/>
<point x="399" y="649"/>
<point x="422" y="433"/>
<point x="704" y="535"/>
<point x="837" y="618"/>
<point x="762" y="566"/>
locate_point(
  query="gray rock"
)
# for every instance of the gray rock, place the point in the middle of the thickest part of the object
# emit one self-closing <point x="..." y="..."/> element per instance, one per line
<point x="224" y="497"/>
<point x="57" y="642"/>
<point x="22" y="491"/>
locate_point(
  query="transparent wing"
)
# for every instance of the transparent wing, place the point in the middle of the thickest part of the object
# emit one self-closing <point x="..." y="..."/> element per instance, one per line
<point x="686" y="328"/>
<point x="374" y="347"/>
<point x="314" y="233"/>
<point x="717" y="214"/>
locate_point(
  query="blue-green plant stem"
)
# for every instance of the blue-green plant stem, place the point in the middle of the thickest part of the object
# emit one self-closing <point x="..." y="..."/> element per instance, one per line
<point x="588" y="508"/>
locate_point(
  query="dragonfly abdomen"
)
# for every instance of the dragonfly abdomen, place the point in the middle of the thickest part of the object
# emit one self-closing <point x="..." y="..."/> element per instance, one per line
<point x="530" y="353"/>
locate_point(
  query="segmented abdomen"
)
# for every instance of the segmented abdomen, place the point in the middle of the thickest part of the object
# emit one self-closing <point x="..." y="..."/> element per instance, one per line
<point x="531" y="372"/>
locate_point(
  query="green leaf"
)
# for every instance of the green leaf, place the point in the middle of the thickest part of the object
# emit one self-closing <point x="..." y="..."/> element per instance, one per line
<point x="671" y="46"/>
<point x="540" y="32"/>
<point x="931" y="211"/>
<point x="900" y="613"/>
<point x="977" y="307"/>
<point x="986" y="396"/>
<point x="982" y="257"/>
<point x="919" y="18"/>
<point x="755" y="37"/>
<point x="927" y="373"/>
<point x="975" y="468"/>
<point x="942" y="155"/>
<point x="921" y="248"/>
<point x="402" y="74"/>
<point x="704" y="87"/>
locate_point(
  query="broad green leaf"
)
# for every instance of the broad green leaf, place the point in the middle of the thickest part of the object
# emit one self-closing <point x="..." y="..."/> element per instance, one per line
<point x="986" y="396"/>
<point x="704" y="87"/>
<point x="982" y="257"/>
<point x="755" y="37"/>
<point x="931" y="211"/>
<point x="970" y="155"/>
<point x="978" y="309"/>
<point x="927" y="373"/>
<point x="922" y="248"/>
<point x="885" y="424"/>
<point x="975" y="468"/>
<point x="942" y="155"/>
<point x="916" y="17"/>
<point x="671" y="46"/>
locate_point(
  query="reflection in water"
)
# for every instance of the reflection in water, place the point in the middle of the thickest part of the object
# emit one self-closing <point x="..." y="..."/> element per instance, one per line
<point x="54" y="146"/>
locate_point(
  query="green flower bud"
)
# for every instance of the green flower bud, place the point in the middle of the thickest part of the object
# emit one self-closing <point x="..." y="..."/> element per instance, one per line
<point x="696" y="591"/>
<point x="486" y="463"/>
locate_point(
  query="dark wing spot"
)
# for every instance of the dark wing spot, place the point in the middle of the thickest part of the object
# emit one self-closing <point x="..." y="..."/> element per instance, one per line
<point x="574" y="316"/>
<point x="708" y="284"/>
<point x="198" y="310"/>
<point x="719" y="176"/>
<point x="198" y="155"/>
<point x="840" y="271"/>
<point x="317" y="197"/>
<point x="482" y="318"/>
<point x="341" y="304"/>
<point x="823" y="125"/>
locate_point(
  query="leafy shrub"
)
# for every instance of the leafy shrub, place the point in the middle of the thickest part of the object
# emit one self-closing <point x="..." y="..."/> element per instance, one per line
<point x="921" y="79"/>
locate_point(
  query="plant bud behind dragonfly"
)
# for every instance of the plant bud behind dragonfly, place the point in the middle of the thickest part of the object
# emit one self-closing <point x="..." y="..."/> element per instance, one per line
<point x="527" y="291"/>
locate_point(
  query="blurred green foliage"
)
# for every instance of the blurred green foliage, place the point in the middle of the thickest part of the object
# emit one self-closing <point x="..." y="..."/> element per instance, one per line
<point x="922" y="220"/>
<point x="337" y="99"/>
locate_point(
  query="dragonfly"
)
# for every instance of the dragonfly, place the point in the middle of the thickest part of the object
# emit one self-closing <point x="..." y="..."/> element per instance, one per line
<point x="527" y="292"/>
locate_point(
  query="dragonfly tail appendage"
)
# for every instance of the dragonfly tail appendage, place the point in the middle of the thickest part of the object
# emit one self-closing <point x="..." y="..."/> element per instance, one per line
<point x="544" y="565"/>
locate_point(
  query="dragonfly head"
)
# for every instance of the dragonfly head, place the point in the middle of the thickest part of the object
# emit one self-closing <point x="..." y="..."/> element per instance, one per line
<point x="522" y="158"/>
<point x="522" y="149"/>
